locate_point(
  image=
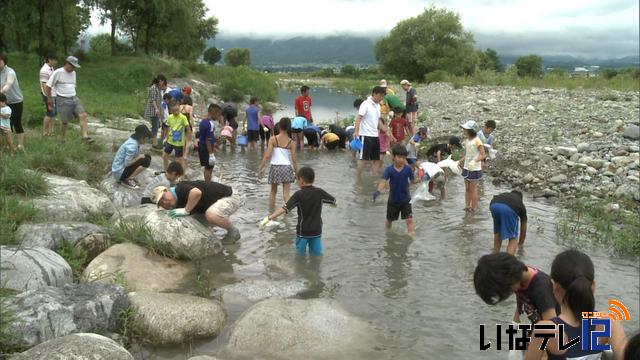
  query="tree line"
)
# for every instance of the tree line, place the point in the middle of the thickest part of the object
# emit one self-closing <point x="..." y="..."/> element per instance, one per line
<point x="177" y="28"/>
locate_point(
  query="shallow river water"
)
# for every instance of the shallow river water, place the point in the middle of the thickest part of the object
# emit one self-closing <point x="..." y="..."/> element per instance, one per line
<point x="418" y="294"/>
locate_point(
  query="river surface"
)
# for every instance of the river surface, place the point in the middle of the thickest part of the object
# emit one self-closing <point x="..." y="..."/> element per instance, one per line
<point x="325" y="103"/>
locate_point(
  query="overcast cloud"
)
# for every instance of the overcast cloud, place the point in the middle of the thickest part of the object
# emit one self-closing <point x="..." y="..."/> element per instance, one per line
<point x="590" y="28"/>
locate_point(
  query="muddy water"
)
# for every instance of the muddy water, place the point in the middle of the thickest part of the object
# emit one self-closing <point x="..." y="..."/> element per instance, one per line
<point x="417" y="294"/>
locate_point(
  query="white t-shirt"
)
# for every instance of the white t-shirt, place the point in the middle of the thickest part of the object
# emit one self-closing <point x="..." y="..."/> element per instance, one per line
<point x="45" y="73"/>
<point x="63" y="82"/>
<point x="431" y="168"/>
<point x="370" y="112"/>
<point x="5" y="114"/>
<point x="471" y="153"/>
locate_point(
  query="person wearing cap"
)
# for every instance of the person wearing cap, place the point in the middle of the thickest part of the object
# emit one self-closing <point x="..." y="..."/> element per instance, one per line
<point x="411" y="103"/>
<point x="10" y="87"/>
<point x="178" y="94"/>
<point x="366" y="129"/>
<point x="215" y="201"/>
<point x="384" y="84"/>
<point x="472" y="167"/>
<point x="50" y="112"/>
<point x="68" y="105"/>
<point x="128" y="162"/>
<point x="439" y="152"/>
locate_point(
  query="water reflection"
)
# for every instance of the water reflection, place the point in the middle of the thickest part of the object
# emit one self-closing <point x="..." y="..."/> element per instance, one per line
<point x="397" y="264"/>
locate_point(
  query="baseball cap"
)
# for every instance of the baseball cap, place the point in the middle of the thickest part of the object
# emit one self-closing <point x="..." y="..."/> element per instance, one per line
<point x="157" y="192"/>
<point x="424" y="129"/>
<point x="187" y="89"/>
<point x="73" y="61"/>
<point x="405" y="82"/>
<point x="470" y="125"/>
<point x="383" y="83"/>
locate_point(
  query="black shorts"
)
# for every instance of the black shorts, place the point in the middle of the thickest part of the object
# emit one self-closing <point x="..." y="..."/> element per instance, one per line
<point x="126" y="173"/>
<point x="332" y="145"/>
<point x="395" y="209"/>
<point x="296" y="131"/>
<point x="168" y="149"/>
<point x="370" y="148"/>
<point x="253" y="135"/>
<point x="265" y="135"/>
<point x="203" y="154"/>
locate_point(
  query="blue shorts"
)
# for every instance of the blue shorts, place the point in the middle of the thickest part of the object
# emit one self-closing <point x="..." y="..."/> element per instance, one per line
<point x="505" y="221"/>
<point x="471" y="175"/>
<point x="315" y="245"/>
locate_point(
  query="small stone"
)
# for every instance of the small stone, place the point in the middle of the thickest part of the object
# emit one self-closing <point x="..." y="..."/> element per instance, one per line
<point x="557" y="179"/>
<point x="591" y="171"/>
<point x="633" y="178"/>
<point x="596" y="163"/>
<point x="597" y="135"/>
<point x="634" y="148"/>
<point x="583" y="147"/>
<point x="575" y="157"/>
<point x="530" y="108"/>
<point x="549" y="193"/>
<point x="585" y="160"/>
<point x="631" y="131"/>
<point x="566" y="151"/>
<point x="613" y="207"/>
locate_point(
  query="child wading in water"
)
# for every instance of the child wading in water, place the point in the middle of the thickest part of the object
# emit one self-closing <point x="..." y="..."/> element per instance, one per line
<point x="308" y="200"/>
<point x="472" y="168"/>
<point x="399" y="175"/>
<point x="572" y="276"/>
<point x="284" y="163"/>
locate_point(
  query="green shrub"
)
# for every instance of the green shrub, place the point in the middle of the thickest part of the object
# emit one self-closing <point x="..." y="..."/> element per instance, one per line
<point x="436" y="76"/>
<point x="16" y="180"/>
<point x="13" y="212"/>
<point x="75" y="257"/>
<point x="237" y="82"/>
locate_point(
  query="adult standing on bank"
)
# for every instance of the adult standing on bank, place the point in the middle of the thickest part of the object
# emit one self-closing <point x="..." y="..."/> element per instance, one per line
<point x="67" y="103"/>
<point x="411" y="104"/>
<point x="366" y="129"/>
<point x="50" y="112"/>
<point x="153" y="110"/>
<point x="11" y="88"/>
<point x="303" y="104"/>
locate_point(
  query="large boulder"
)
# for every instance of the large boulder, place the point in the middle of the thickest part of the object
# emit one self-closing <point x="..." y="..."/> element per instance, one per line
<point x="88" y="237"/>
<point x="185" y="237"/>
<point x="138" y="268"/>
<point x="47" y="313"/>
<point x="133" y="213"/>
<point x="77" y="347"/>
<point x="296" y="327"/>
<point x="121" y="196"/>
<point x="32" y="268"/>
<point x="71" y="200"/>
<point x="165" y="318"/>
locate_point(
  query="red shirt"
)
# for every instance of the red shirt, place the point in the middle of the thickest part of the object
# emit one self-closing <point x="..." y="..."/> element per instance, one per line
<point x="303" y="106"/>
<point x="398" y="126"/>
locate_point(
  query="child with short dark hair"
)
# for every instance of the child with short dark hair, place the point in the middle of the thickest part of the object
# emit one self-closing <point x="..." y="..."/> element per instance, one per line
<point x="308" y="200"/>
<point x="254" y="122"/>
<point x="485" y="134"/>
<point x="573" y="275"/>
<point x="167" y="179"/>
<point x="207" y="140"/>
<point x="499" y="275"/>
<point x="399" y="175"/>
<point x="5" y="122"/>
<point x="438" y="152"/>
<point x="472" y="166"/>
<point x="179" y="131"/>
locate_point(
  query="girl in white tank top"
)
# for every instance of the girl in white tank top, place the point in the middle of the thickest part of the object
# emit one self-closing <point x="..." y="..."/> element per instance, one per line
<point x="281" y="151"/>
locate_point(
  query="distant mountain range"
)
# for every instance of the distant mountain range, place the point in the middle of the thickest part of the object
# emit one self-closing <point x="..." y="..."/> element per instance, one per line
<point x="314" y="53"/>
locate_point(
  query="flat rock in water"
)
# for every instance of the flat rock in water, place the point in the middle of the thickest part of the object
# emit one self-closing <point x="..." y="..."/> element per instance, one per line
<point x="165" y="318"/>
<point x="297" y="327"/>
<point x="71" y="200"/>
<point x="82" y="346"/>
<point x="186" y="237"/>
<point x="32" y="268"/>
<point x="47" y="313"/>
<point x="91" y="238"/>
<point x="140" y="269"/>
<point x="256" y="290"/>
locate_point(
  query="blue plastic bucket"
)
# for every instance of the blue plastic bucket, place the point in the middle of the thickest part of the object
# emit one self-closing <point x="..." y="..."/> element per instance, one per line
<point x="356" y="144"/>
<point x="242" y="140"/>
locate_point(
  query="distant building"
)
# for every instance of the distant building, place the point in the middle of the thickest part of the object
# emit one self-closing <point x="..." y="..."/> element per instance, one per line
<point x="586" y="71"/>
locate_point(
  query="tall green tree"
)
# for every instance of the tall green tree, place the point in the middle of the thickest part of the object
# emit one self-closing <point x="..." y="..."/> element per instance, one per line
<point x="237" y="57"/>
<point x="212" y="55"/>
<point x="433" y="40"/>
<point x="113" y="11"/>
<point x="490" y="61"/>
<point x="530" y="65"/>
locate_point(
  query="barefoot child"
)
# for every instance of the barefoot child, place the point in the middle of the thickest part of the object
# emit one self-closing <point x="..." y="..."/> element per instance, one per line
<point x="284" y="163"/>
<point x="167" y="179"/>
<point x="472" y="168"/>
<point x="506" y="210"/>
<point x="207" y="140"/>
<point x="399" y="175"/>
<point x="5" y="122"/>
<point x="177" y="137"/>
<point x="308" y="200"/>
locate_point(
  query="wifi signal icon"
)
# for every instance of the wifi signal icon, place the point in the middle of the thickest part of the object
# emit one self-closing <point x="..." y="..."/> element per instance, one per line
<point x="617" y="311"/>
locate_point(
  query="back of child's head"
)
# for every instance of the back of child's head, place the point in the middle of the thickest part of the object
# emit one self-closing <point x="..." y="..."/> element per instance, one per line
<point x="423" y="130"/>
<point x="517" y="193"/>
<point x="175" y="168"/>
<point x="454" y="141"/>
<point x="186" y="100"/>
<point x="253" y="100"/>
<point x="307" y="174"/>
<point x="357" y="103"/>
<point x="399" y="150"/>
<point x="573" y="271"/>
<point x="398" y="111"/>
<point x="303" y="89"/>
<point x="214" y="111"/>
<point x="632" y="348"/>
<point x="495" y="276"/>
<point x="284" y="124"/>
<point x="3" y="98"/>
<point x="167" y="97"/>
<point x="490" y="124"/>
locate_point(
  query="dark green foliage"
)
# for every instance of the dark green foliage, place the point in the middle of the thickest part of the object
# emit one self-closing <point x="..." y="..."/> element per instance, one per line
<point x="530" y="65"/>
<point x="237" y="57"/>
<point x="436" y="76"/>
<point x="212" y="55"/>
<point x="434" y="40"/>
<point x="16" y="180"/>
<point x="349" y="70"/>
<point x="609" y="73"/>
<point x="489" y="60"/>
<point x="75" y="257"/>
<point x="236" y="82"/>
<point x="13" y="212"/>
<point x="100" y="46"/>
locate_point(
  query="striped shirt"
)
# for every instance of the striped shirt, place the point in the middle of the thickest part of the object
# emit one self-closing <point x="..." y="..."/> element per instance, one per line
<point x="154" y="94"/>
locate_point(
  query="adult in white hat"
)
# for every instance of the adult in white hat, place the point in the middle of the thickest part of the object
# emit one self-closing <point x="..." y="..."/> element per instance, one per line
<point x="68" y="104"/>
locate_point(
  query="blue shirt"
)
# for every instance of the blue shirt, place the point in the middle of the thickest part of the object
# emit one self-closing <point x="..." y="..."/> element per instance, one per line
<point x="398" y="183"/>
<point x="126" y="153"/>
<point x="252" y="117"/>
<point x="176" y="94"/>
<point x="299" y="122"/>
<point x="206" y="130"/>
<point x="487" y="140"/>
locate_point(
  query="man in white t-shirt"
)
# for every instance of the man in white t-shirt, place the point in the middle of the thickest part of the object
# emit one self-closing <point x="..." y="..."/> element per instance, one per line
<point x="67" y="103"/>
<point x="366" y="129"/>
<point x="50" y="112"/>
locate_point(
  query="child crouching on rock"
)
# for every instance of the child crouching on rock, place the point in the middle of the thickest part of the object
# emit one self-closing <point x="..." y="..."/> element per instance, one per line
<point x="169" y="178"/>
<point x="128" y="162"/>
<point x="308" y="200"/>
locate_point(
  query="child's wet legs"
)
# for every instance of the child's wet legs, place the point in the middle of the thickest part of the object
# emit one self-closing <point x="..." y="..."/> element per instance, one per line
<point x="511" y="247"/>
<point x="497" y="243"/>
<point x="286" y="191"/>
<point x="272" y="196"/>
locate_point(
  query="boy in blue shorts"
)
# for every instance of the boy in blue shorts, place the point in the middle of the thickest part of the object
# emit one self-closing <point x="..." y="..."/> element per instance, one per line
<point x="308" y="200"/>
<point x="399" y="175"/>
<point x="506" y="210"/>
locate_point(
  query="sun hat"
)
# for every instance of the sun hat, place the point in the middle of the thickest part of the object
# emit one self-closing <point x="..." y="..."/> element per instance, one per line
<point x="383" y="83"/>
<point x="470" y="125"/>
<point x="157" y="192"/>
<point x="405" y="82"/>
<point x="355" y="144"/>
<point x="187" y="89"/>
<point x="73" y="61"/>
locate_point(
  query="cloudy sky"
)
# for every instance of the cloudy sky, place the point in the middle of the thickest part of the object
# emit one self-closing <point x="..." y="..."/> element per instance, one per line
<point x="588" y="28"/>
